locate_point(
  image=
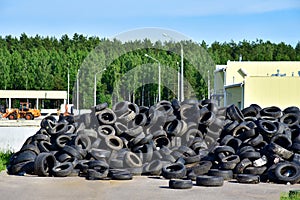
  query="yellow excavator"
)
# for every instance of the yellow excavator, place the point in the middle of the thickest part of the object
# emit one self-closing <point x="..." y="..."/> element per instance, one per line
<point x="23" y="112"/>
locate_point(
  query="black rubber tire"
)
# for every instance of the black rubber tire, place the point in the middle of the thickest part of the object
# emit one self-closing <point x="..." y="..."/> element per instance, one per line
<point x="62" y="140"/>
<point x="120" y="128"/>
<point x="282" y="140"/>
<point x="100" y="107"/>
<point x="255" y="141"/>
<point x="30" y="147"/>
<point x="290" y="119"/>
<point x="240" y="167"/>
<point x="63" y="157"/>
<point x="122" y="176"/>
<point x="24" y="156"/>
<point x="83" y="141"/>
<point x="252" y="155"/>
<point x="106" y="117"/>
<point x="240" y="129"/>
<point x="224" y="149"/>
<point x="255" y="170"/>
<point x="29" y="116"/>
<point x="99" y="165"/>
<point x="174" y="171"/>
<point x="296" y="147"/>
<point x="174" y="128"/>
<point x="12" y="117"/>
<point x="278" y="150"/>
<point x="45" y="121"/>
<point x="245" y="149"/>
<point x="72" y="151"/>
<point x="132" y="160"/>
<point x="192" y="159"/>
<point x="45" y="146"/>
<point x="154" y="167"/>
<point x="201" y="168"/>
<point x="226" y="174"/>
<point x="230" y="162"/>
<point x="93" y="174"/>
<point x="286" y="167"/>
<point x="43" y="164"/>
<point x="120" y="108"/>
<point x="175" y="104"/>
<point x="21" y="168"/>
<point x="234" y="113"/>
<point x="41" y="137"/>
<point x="249" y="112"/>
<point x="248" y="178"/>
<point x="105" y="130"/>
<point x="272" y="111"/>
<point x="134" y="132"/>
<point x="209" y="181"/>
<point x="116" y="163"/>
<point x="186" y="151"/>
<point x="59" y="128"/>
<point x="113" y="142"/>
<point x="63" y="169"/>
<point x="140" y="119"/>
<point x="180" y="184"/>
<point x="229" y="128"/>
<point x="207" y="118"/>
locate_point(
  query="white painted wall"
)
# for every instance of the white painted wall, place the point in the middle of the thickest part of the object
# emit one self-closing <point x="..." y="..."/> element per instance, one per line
<point x="12" y="138"/>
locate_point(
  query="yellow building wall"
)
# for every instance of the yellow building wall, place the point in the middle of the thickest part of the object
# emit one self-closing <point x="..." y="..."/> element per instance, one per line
<point x="272" y="91"/>
<point x="262" y="68"/>
<point x="234" y="96"/>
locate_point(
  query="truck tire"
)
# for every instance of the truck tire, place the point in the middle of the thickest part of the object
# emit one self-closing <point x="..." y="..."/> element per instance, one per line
<point x="209" y="181"/>
<point x="29" y="116"/>
<point x="12" y="117"/>
<point x="180" y="184"/>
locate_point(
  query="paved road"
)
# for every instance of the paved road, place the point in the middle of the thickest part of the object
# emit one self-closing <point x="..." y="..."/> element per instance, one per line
<point x="77" y="188"/>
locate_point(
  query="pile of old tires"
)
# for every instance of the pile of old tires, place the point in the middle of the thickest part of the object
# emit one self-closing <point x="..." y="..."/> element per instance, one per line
<point x="184" y="142"/>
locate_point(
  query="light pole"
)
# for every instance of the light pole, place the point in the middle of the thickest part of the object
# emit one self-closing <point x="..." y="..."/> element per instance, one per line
<point x="68" y="95"/>
<point x="77" y="88"/>
<point x="181" y="57"/>
<point x="159" y="78"/>
<point x="95" y="85"/>
<point x="178" y="82"/>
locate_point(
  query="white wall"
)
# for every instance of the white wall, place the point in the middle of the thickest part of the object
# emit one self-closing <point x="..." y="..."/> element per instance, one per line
<point x="12" y="138"/>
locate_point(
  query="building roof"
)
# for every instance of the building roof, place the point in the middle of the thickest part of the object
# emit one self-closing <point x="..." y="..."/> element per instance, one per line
<point x="33" y="94"/>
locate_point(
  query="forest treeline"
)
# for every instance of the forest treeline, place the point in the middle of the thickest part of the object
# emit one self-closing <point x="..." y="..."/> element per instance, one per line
<point x="42" y="63"/>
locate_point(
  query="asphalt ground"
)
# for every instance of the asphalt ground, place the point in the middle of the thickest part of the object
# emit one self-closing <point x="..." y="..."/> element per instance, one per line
<point x="141" y="187"/>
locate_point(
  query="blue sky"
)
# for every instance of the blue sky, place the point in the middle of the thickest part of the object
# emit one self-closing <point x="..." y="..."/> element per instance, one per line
<point x="210" y="20"/>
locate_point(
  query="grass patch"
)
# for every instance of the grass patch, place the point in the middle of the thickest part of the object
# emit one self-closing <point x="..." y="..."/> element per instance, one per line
<point x="4" y="159"/>
<point x="287" y="196"/>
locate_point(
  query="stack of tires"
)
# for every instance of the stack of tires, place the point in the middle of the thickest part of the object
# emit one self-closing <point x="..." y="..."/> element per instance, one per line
<point x="184" y="142"/>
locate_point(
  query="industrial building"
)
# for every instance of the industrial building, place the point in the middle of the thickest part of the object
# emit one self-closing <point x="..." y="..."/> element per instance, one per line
<point x="266" y="83"/>
<point x="40" y="99"/>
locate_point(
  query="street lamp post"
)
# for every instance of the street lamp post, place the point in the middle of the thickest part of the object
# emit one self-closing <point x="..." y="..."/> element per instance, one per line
<point x="77" y="91"/>
<point x="95" y="85"/>
<point x="178" y="82"/>
<point x="68" y="95"/>
<point x="159" y="77"/>
<point x="181" y="57"/>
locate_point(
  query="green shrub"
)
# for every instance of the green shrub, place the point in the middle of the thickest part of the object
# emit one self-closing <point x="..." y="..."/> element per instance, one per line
<point x="287" y="196"/>
<point x="4" y="159"/>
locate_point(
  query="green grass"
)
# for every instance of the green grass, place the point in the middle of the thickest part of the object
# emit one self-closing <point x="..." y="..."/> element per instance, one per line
<point x="4" y="158"/>
<point x="285" y="196"/>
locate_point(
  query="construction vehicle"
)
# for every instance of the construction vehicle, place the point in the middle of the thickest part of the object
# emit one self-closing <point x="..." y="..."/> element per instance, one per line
<point x="23" y="112"/>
